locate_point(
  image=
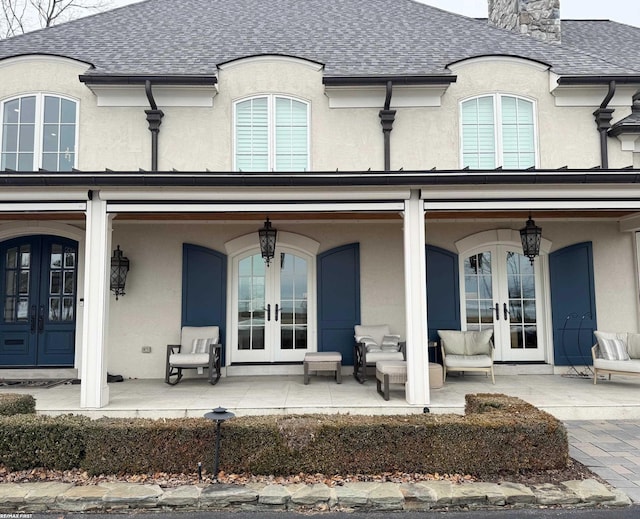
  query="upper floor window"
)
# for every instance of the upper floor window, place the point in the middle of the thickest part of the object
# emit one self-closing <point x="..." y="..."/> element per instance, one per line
<point x="39" y="131"/>
<point x="271" y="134"/>
<point x="498" y="131"/>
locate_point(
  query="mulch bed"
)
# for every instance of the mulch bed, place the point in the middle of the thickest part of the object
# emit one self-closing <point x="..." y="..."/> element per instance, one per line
<point x="574" y="471"/>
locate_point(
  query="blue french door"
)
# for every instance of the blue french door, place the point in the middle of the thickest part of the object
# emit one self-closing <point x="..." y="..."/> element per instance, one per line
<point x="38" y="301"/>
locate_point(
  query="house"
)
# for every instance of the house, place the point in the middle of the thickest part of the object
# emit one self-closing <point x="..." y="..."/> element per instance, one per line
<point x="398" y="150"/>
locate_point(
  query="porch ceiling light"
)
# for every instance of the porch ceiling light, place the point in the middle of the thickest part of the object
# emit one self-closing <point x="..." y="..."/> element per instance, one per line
<point x="531" y="235"/>
<point x="267" y="236"/>
<point x="119" y="270"/>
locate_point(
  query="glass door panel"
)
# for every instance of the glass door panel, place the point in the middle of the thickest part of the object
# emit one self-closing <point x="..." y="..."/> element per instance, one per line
<point x="500" y="294"/>
<point x="271" y="317"/>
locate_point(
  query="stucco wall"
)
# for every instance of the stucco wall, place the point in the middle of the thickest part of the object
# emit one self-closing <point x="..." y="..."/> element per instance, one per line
<point x="196" y="138"/>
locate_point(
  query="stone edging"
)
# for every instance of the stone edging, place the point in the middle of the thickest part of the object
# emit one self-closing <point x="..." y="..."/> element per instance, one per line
<point x="54" y="496"/>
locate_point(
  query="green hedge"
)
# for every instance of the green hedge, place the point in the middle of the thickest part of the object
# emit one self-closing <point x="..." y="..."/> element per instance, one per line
<point x="15" y="403"/>
<point x="499" y="434"/>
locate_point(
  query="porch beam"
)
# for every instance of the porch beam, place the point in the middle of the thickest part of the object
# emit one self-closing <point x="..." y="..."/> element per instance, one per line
<point x="415" y="289"/>
<point x="528" y="205"/>
<point x="94" y="392"/>
<point x="18" y="207"/>
<point x="341" y="194"/>
<point x="259" y="207"/>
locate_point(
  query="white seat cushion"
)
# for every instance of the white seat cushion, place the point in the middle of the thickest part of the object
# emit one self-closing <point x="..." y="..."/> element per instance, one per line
<point x="189" y="360"/>
<point x="375" y="356"/>
<point x="468" y="361"/>
<point x="631" y="366"/>
<point x="323" y="356"/>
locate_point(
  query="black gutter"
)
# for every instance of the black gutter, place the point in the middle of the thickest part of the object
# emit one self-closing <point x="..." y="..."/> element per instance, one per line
<point x="315" y="179"/>
<point x="154" y="118"/>
<point x="603" y="117"/>
<point x="136" y="80"/>
<point x="383" y="80"/>
<point x="387" y="117"/>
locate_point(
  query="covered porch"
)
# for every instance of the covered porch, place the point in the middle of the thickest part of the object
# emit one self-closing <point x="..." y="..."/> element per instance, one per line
<point x="567" y="396"/>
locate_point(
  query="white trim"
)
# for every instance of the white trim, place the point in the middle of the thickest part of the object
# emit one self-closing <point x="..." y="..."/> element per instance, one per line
<point x="497" y="125"/>
<point x="531" y="192"/>
<point x="629" y="142"/>
<point x="293" y="241"/>
<point x="592" y="95"/>
<point x="271" y="126"/>
<point x="496" y="237"/>
<point x="630" y="223"/>
<point x="42" y="207"/>
<point x="270" y="59"/>
<point x="252" y="194"/>
<point x="373" y="96"/>
<point x="15" y="194"/>
<point x="164" y="95"/>
<point x="262" y="207"/>
<point x="483" y="60"/>
<point x="532" y="205"/>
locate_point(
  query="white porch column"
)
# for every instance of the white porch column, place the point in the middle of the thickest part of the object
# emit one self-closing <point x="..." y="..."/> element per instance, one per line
<point x="94" y="392"/>
<point x="415" y="288"/>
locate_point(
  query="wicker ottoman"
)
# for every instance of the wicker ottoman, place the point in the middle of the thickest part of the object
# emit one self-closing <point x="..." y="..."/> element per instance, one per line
<point x="390" y="372"/>
<point x="435" y="376"/>
<point x="323" y="361"/>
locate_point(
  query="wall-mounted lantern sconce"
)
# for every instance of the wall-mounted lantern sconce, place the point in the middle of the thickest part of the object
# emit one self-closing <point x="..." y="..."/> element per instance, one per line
<point x="267" y="236"/>
<point x="119" y="270"/>
<point x="531" y="236"/>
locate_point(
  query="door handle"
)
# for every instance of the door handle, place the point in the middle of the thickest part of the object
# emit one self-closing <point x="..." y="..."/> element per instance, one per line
<point x="497" y="311"/>
<point x="268" y="312"/>
<point x="276" y="311"/>
<point x="41" y="319"/>
<point x="506" y="312"/>
<point x="33" y="318"/>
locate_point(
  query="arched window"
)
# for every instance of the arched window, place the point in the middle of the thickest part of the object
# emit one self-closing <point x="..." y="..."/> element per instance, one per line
<point x="39" y="131"/>
<point x="271" y="134"/>
<point x="498" y="131"/>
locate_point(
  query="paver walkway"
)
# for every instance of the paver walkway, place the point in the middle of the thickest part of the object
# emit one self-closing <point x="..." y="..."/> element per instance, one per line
<point x="611" y="449"/>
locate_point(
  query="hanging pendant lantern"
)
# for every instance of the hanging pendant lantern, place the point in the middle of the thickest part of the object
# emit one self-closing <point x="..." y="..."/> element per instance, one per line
<point x="267" y="236"/>
<point x="531" y="236"/>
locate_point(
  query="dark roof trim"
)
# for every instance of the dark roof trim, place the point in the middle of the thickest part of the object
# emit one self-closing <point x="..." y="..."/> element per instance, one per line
<point x="383" y="80"/>
<point x="269" y="54"/>
<point x="365" y="178"/>
<point x="597" y="80"/>
<point x="621" y="129"/>
<point x="156" y="80"/>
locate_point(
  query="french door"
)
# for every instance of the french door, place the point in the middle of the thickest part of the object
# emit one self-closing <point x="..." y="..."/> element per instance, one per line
<point x="38" y="301"/>
<point x="271" y="321"/>
<point x="502" y="293"/>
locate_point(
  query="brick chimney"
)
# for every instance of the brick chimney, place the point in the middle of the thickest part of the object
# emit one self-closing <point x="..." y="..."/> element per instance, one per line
<point x="539" y="19"/>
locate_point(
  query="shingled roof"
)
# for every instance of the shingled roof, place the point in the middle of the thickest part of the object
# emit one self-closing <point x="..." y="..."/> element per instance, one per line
<point x="351" y="38"/>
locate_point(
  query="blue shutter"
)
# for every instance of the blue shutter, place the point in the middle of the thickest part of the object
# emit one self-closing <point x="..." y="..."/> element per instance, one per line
<point x="443" y="291"/>
<point x="339" y="299"/>
<point x="573" y="304"/>
<point x="291" y="135"/>
<point x="252" y="135"/>
<point x="204" y="288"/>
<point x="478" y="133"/>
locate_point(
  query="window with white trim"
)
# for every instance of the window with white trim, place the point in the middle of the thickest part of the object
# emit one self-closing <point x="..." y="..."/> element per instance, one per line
<point x="271" y="134"/>
<point x="39" y="131"/>
<point x="498" y="131"/>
